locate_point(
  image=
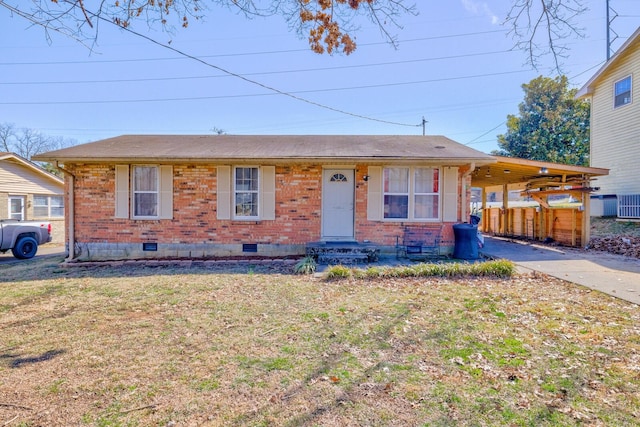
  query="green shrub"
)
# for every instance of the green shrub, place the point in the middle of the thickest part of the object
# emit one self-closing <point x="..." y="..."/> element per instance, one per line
<point x="338" y="272"/>
<point x="499" y="268"/>
<point x="306" y="265"/>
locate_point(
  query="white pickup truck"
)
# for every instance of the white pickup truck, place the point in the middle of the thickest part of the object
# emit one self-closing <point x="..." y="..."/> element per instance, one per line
<point x="23" y="237"/>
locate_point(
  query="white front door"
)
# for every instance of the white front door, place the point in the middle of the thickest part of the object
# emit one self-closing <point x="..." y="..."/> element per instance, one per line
<point x="337" y="204"/>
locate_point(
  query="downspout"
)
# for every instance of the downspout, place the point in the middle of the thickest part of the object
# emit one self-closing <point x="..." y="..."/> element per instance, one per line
<point x="71" y="210"/>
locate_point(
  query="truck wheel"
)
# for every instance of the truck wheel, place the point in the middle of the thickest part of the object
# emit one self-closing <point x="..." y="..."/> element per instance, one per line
<point x="26" y="247"/>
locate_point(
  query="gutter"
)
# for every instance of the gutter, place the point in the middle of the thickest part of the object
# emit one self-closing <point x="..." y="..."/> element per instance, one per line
<point x="71" y="210"/>
<point x="441" y="161"/>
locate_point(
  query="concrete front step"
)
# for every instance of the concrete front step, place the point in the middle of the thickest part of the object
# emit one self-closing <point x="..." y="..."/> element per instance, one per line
<point x="342" y="258"/>
<point x="342" y="252"/>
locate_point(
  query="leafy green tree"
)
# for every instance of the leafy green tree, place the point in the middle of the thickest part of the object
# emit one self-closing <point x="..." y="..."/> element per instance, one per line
<point x="551" y="126"/>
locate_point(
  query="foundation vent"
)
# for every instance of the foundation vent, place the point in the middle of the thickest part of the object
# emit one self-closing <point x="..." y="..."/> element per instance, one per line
<point x="250" y="247"/>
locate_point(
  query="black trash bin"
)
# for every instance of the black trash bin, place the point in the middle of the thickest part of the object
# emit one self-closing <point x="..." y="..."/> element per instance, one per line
<point x="466" y="241"/>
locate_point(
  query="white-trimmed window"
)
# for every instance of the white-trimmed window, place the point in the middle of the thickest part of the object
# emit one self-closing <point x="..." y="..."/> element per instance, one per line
<point x="48" y="206"/>
<point x="246" y="188"/>
<point x="145" y="191"/>
<point x="246" y="192"/>
<point x="622" y="92"/>
<point x="426" y="194"/>
<point x="396" y="192"/>
<point x="16" y="207"/>
<point x="411" y="193"/>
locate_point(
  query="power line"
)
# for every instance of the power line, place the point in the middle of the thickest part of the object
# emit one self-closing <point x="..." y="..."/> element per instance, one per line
<point x="254" y="82"/>
<point x="475" y="140"/>
<point x="226" y="55"/>
<point x="277" y="92"/>
<point x="599" y="64"/>
<point x="303" y="70"/>
<point x="291" y="94"/>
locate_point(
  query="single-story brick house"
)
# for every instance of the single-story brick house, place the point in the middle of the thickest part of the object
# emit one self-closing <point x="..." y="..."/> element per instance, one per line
<point x="189" y="196"/>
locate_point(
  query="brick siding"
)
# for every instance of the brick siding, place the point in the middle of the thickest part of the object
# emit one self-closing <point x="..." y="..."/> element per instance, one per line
<point x="298" y="211"/>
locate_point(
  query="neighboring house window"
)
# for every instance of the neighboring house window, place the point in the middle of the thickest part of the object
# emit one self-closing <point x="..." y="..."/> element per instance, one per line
<point x="411" y="193"/>
<point x="246" y="192"/>
<point x="622" y="90"/>
<point x="145" y="191"/>
<point x="48" y="206"/>
<point x="16" y="207"/>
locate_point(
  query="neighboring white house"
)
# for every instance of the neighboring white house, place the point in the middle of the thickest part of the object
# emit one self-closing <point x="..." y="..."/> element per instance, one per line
<point x="615" y="129"/>
<point x="28" y="192"/>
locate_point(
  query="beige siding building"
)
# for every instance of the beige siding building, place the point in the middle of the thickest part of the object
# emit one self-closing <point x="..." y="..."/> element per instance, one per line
<point x="614" y="92"/>
<point x="28" y="192"/>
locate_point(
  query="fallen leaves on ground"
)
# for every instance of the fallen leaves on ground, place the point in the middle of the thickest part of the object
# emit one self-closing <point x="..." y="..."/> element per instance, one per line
<point x="185" y="347"/>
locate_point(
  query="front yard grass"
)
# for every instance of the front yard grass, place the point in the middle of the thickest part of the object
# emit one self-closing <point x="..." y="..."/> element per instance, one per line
<point x="175" y="346"/>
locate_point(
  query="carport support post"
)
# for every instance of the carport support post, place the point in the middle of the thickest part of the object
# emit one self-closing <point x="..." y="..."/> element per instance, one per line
<point x="485" y="214"/>
<point x="586" y="215"/>
<point x="505" y="209"/>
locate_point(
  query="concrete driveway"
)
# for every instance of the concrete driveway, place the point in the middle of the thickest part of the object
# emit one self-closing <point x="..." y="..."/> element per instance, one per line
<point x="615" y="275"/>
<point x="44" y="250"/>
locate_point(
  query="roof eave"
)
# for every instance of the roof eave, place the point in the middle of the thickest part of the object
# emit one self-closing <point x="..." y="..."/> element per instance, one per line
<point x="587" y="170"/>
<point x="373" y="159"/>
<point x="588" y="88"/>
<point x="30" y="165"/>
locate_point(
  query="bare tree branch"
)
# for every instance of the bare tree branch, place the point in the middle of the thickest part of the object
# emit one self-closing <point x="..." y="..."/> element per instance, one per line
<point x="327" y="23"/>
<point x="7" y="134"/>
<point x="29" y="142"/>
<point x="541" y="28"/>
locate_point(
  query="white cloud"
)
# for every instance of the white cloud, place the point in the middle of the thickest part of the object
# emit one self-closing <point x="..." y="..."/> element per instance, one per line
<point x="480" y="8"/>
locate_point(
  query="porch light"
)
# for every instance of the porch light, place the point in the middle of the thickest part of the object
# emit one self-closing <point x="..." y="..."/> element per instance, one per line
<point x="507" y="171"/>
<point x="544" y="170"/>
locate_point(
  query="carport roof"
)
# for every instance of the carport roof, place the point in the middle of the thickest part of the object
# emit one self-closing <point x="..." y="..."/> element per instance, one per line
<point x="510" y="170"/>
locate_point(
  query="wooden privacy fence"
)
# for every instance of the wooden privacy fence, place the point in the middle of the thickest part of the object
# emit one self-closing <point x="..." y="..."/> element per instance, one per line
<point x="563" y="225"/>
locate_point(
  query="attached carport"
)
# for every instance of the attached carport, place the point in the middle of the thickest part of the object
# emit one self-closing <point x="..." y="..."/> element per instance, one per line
<point x="568" y="224"/>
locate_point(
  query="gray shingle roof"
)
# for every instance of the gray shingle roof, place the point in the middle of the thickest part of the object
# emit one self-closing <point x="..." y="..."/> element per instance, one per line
<point x="199" y="148"/>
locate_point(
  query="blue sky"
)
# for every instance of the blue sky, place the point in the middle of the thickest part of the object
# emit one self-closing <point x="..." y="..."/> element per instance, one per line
<point x="454" y="66"/>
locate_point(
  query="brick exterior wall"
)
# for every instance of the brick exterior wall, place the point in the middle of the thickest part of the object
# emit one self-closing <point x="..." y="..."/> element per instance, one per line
<point x="195" y="230"/>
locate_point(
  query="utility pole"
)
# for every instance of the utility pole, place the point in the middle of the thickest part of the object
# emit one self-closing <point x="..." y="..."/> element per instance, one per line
<point x="424" y="126"/>
<point x="610" y="20"/>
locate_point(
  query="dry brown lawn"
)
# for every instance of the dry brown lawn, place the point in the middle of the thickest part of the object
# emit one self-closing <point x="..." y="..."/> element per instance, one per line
<point x="257" y="346"/>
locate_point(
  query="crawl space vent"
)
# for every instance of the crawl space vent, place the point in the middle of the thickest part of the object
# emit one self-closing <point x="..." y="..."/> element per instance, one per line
<point x="249" y="247"/>
<point x="149" y="246"/>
